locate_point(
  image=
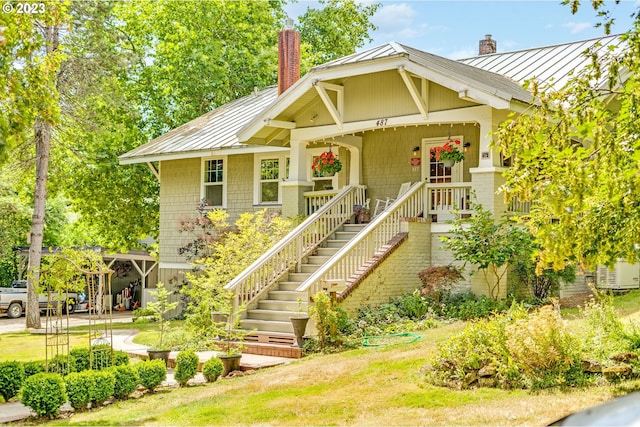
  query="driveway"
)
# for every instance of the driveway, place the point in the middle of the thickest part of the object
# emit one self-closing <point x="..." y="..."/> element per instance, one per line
<point x="8" y="325"/>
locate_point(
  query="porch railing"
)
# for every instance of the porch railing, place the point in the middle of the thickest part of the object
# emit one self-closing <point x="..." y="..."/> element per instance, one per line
<point x="289" y="251"/>
<point x="446" y="197"/>
<point x="346" y="262"/>
<point x="518" y="207"/>
<point x="314" y="200"/>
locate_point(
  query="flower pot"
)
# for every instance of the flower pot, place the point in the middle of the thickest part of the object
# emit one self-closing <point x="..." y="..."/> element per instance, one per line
<point x="448" y="163"/>
<point x="159" y="354"/>
<point x="230" y="363"/>
<point x="299" y="326"/>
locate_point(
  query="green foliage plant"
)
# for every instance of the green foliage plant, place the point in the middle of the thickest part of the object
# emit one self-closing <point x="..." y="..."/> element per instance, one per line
<point x="151" y="373"/>
<point x="126" y="380"/>
<point x="62" y="364"/>
<point x="11" y="378"/>
<point x="489" y="245"/>
<point x="79" y="388"/>
<point x="187" y="363"/>
<point x="44" y="393"/>
<point x="234" y="249"/>
<point x="81" y="357"/>
<point x="438" y="280"/>
<point x="325" y="317"/>
<point x="103" y="385"/>
<point x="33" y="367"/>
<point x="161" y="308"/>
<point x="212" y="369"/>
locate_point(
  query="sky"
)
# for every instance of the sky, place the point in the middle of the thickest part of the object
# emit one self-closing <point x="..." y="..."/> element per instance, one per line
<point x="453" y="28"/>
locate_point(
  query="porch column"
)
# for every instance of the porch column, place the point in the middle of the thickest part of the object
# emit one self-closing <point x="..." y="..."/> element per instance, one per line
<point x="293" y="189"/>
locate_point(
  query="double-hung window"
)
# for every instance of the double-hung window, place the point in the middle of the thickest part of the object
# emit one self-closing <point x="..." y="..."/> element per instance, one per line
<point x="271" y="170"/>
<point x="213" y="185"/>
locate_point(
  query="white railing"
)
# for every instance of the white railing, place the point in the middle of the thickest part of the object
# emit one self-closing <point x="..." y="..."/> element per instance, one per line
<point x="519" y="208"/>
<point x="289" y="251"/>
<point x="446" y="197"/>
<point x="346" y="262"/>
<point x="314" y="200"/>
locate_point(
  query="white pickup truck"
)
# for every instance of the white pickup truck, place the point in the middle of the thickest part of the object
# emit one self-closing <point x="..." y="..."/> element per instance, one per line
<point x="13" y="300"/>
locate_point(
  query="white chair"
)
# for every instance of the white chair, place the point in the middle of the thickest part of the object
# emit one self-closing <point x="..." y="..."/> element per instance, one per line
<point x="383" y="204"/>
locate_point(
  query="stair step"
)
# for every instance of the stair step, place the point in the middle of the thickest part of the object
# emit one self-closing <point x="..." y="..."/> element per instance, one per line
<point x="298" y="277"/>
<point x="336" y="243"/>
<point x="355" y="228"/>
<point x="287" y="295"/>
<point x="288" y="286"/>
<point x="267" y="325"/>
<point x="345" y="235"/>
<point x="271" y="304"/>
<point x="328" y="252"/>
<point x="278" y="315"/>
<point x="309" y="268"/>
<point x="318" y="259"/>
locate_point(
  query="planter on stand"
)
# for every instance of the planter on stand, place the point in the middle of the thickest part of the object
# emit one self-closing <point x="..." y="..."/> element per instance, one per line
<point x="159" y="354"/>
<point x="299" y="326"/>
<point x="230" y="363"/>
<point x="448" y="163"/>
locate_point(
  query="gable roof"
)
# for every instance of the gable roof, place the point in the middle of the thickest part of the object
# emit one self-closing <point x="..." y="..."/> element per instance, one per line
<point x="214" y="131"/>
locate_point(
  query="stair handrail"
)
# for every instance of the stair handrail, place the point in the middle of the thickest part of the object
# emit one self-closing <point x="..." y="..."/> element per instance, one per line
<point x="351" y="257"/>
<point x="291" y="249"/>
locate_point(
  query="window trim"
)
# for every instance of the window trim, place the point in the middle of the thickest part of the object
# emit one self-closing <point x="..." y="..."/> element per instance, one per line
<point x="203" y="185"/>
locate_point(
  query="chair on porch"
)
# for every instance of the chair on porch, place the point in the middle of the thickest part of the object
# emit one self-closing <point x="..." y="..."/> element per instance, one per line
<point x="383" y="204"/>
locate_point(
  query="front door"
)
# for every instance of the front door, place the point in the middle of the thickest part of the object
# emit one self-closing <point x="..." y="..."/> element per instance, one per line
<point x="442" y="199"/>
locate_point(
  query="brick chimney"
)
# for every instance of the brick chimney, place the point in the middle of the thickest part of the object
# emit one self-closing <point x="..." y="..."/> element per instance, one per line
<point x="487" y="45"/>
<point x="288" y="57"/>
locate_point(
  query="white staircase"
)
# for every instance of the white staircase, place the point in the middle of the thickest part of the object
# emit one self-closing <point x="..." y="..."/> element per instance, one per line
<point x="269" y="321"/>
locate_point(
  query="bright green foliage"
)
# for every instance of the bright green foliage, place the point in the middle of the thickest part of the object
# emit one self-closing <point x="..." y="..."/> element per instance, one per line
<point x="11" y="378"/>
<point x="151" y="373"/>
<point x="81" y="357"/>
<point x="529" y="350"/>
<point x="488" y="245"/>
<point x="44" y="393"/>
<point x="325" y="316"/>
<point x="335" y="29"/>
<point x="78" y="389"/>
<point x="33" y="367"/>
<point x="103" y="383"/>
<point x="126" y="380"/>
<point x="160" y="308"/>
<point x="231" y="253"/>
<point x="186" y="366"/>
<point x="576" y="155"/>
<point x="212" y="369"/>
<point x="61" y="364"/>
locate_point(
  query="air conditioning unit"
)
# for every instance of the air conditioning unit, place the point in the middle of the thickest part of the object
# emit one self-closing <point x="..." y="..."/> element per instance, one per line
<point x="622" y="276"/>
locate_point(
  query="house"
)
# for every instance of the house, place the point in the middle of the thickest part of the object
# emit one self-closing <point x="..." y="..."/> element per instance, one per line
<point x="382" y="111"/>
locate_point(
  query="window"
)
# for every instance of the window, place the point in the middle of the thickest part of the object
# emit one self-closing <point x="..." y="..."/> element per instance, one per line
<point x="213" y="182"/>
<point x="271" y="171"/>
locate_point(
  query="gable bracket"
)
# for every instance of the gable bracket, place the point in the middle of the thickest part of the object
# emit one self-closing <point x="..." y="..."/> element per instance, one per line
<point x="337" y="110"/>
<point x="420" y="97"/>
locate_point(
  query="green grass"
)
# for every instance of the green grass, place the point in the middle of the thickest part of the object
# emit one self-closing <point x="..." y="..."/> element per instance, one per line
<point x="25" y="346"/>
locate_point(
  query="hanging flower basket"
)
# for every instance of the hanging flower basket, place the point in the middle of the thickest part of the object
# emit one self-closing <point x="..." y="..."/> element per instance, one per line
<point x="449" y="153"/>
<point x="326" y="164"/>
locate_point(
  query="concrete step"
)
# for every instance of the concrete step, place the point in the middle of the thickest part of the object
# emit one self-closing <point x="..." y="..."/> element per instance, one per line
<point x="286" y="295"/>
<point x="281" y="316"/>
<point x="288" y="286"/>
<point x="271" y="304"/>
<point x="308" y="268"/>
<point x="345" y="235"/>
<point x="336" y="243"/>
<point x="354" y="228"/>
<point x="267" y="325"/>
<point x="328" y="252"/>
<point x="317" y="259"/>
<point x="298" y="277"/>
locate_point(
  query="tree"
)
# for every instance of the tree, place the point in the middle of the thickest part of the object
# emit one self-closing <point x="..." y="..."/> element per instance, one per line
<point x="488" y="244"/>
<point x="576" y="155"/>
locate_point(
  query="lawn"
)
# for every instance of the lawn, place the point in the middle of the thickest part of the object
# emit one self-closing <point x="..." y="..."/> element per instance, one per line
<point x="374" y="386"/>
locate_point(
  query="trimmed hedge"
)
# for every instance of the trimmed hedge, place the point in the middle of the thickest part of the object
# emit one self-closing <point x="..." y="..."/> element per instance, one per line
<point x="212" y="369"/>
<point x="11" y="378"/>
<point x="151" y="373"/>
<point x="62" y="364"/>
<point x="186" y="366"/>
<point x="78" y="389"/>
<point x="44" y="393"/>
<point x="33" y="367"/>
<point x="126" y="380"/>
<point x="103" y="383"/>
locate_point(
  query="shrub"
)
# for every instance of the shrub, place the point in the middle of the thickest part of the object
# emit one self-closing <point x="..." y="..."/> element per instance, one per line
<point x="11" y="378"/>
<point x="81" y="357"/>
<point x="61" y="364"/>
<point x="102" y="356"/>
<point x="120" y="358"/>
<point x="212" y="369"/>
<point x="186" y="366"/>
<point x="44" y="393"/>
<point x="103" y="385"/>
<point x="78" y="389"/>
<point x="33" y="367"/>
<point x="151" y="373"/>
<point x="438" y="280"/>
<point x="126" y="380"/>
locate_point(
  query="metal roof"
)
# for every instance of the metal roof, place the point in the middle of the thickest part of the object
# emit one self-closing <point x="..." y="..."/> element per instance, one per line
<point x="214" y="130"/>
<point x="551" y="65"/>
